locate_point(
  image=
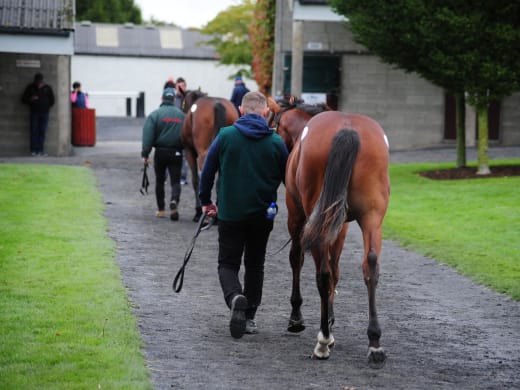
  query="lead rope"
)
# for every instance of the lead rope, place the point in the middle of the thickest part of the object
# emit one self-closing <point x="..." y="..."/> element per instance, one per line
<point x="179" y="278"/>
<point x="279" y="250"/>
<point x="144" y="182"/>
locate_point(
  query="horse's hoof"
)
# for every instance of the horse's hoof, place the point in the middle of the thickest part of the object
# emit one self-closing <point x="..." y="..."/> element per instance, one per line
<point x="376" y="357"/>
<point x="296" y="326"/>
<point x="322" y="350"/>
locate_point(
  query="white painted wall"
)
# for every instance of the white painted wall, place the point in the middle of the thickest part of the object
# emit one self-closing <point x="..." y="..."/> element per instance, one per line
<point x="41" y="44"/>
<point x="109" y="79"/>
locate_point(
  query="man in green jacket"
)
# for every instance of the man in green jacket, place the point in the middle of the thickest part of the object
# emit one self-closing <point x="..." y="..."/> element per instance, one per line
<point x="162" y="131"/>
<point x="250" y="160"/>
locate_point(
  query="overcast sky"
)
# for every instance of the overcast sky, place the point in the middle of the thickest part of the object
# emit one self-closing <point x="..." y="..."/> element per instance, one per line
<point x="184" y="13"/>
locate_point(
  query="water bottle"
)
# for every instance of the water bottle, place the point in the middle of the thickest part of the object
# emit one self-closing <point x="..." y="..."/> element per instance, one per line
<point x="271" y="211"/>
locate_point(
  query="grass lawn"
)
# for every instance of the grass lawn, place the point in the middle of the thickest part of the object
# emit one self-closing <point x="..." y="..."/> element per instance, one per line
<point x="65" y="320"/>
<point x="472" y="225"/>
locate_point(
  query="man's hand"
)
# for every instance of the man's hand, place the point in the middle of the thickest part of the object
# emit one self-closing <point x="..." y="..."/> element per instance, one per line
<point x="211" y="210"/>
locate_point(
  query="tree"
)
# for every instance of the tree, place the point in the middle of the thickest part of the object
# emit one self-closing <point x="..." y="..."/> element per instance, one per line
<point x="261" y="36"/>
<point x="461" y="46"/>
<point x="108" y="11"/>
<point x="229" y="36"/>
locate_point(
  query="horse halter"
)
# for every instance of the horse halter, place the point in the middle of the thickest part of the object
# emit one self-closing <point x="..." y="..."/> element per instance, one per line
<point x="278" y="117"/>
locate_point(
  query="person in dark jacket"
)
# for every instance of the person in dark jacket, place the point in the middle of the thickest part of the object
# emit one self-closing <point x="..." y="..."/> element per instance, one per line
<point x="162" y="131"/>
<point x="40" y="98"/>
<point x="78" y="98"/>
<point x="238" y="93"/>
<point x="250" y="159"/>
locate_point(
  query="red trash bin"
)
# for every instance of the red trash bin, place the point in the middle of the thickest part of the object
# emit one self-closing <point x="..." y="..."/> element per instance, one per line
<point x="83" y="126"/>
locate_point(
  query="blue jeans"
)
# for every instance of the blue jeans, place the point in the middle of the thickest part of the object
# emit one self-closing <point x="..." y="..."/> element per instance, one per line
<point x="39" y="122"/>
<point x="248" y="237"/>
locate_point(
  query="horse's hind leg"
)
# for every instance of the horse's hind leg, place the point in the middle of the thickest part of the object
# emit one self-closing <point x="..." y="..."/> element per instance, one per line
<point x="295" y="223"/>
<point x="192" y="163"/>
<point x="335" y="254"/>
<point x="296" y="323"/>
<point x="324" y="280"/>
<point x="372" y="242"/>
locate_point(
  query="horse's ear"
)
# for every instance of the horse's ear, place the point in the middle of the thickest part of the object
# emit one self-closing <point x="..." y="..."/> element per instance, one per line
<point x="182" y="91"/>
<point x="273" y="106"/>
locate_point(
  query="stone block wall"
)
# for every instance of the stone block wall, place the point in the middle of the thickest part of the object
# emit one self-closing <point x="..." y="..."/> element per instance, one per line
<point x="16" y="72"/>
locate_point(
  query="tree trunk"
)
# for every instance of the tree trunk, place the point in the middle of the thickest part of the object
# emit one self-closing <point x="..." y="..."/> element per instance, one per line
<point x="483" y="157"/>
<point x="460" y="114"/>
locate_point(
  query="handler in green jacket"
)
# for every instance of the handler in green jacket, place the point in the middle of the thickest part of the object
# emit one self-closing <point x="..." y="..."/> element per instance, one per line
<point x="250" y="160"/>
<point x="162" y="131"/>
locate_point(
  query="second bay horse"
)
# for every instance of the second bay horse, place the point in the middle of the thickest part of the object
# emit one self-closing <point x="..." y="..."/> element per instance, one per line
<point x="205" y="115"/>
<point x="337" y="172"/>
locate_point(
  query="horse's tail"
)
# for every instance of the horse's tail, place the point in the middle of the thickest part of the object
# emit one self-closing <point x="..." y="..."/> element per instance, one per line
<point x="330" y="211"/>
<point x="220" y="116"/>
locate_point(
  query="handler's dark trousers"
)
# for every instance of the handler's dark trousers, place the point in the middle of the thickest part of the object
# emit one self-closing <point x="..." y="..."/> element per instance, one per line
<point x="39" y="122"/>
<point x="248" y="237"/>
<point x="171" y="160"/>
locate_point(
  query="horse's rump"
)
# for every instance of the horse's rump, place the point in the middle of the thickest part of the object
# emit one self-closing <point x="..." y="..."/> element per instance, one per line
<point x="330" y="211"/>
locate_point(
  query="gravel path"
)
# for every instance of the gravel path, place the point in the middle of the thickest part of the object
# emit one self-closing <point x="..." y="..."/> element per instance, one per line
<point x="440" y="330"/>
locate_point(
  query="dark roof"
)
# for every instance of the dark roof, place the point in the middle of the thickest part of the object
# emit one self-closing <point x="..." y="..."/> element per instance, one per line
<point x="140" y="41"/>
<point x="19" y="16"/>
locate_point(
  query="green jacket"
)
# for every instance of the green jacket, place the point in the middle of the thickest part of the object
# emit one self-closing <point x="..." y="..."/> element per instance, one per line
<point x="250" y="159"/>
<point x="162" y="129"/>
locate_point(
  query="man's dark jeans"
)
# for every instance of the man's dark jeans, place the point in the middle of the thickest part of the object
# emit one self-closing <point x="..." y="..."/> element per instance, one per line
<point x="39" y="122"/>
<point x="249" y="237"/>
<point x="170" y="160"/>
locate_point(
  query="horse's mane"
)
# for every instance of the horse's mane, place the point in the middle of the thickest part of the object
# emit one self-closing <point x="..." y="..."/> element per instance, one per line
<point x="196" y="93"/>
<point x="313" y="109"/>
<point x="294" y="102"/>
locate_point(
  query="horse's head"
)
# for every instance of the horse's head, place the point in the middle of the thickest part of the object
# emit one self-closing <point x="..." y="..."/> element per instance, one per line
<point x="276" y="109"/>
<point x="189" y="97"/>
<point x="289" y="117"/>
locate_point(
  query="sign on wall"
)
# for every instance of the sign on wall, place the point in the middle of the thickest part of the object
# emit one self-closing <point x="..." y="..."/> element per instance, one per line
<point x="28" y="64"/>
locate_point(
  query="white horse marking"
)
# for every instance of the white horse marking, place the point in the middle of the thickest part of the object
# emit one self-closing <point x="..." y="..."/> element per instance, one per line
<point x="193" y="107"/>
<point x="304" y="132"/>
<point x="322" y="350"/>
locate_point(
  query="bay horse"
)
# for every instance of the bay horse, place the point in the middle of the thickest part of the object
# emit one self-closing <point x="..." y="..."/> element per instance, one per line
<point x="205" y="115"/>
<point x="337" y="172"/>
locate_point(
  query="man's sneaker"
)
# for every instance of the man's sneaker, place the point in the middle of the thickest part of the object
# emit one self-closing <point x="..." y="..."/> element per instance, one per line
<point x="251" y="327"/>
<point x="174" y="214"/>
<point x="237" y="324"/>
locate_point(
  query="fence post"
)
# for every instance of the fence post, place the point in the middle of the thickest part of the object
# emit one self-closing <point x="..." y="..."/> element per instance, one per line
<point x="128" y="106"/>
<point x="139" y="106"/>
